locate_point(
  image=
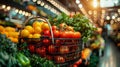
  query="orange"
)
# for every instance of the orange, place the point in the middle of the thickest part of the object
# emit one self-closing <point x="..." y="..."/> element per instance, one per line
<point x="25" y="33"/>
<point x="16" y="34"/>
<point x="37" y="30"/>
<point x="8" y="29"/>
<point x="11" y="34"/>
<point x="29" y="28"/>
<point x="12" y="29"/>
<point x="15" y="40"/>
<point x="30" y="36"/>
<point x="37" y="23"/>
<point x="6" y="33"/>
<point x="45" y="26"/>
<point x="1" y="28"/>
<point x="36" y="35"/>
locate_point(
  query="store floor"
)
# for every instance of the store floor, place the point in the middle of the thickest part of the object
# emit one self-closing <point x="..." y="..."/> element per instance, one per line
<point x="111" y="56"/>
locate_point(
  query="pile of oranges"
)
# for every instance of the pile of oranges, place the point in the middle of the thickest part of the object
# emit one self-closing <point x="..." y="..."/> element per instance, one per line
<point x="10" y="32"/>
<point x="34" y="31"/>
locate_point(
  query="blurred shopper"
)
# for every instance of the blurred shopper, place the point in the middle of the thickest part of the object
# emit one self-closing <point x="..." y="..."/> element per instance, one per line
<point x="107" y="30"/>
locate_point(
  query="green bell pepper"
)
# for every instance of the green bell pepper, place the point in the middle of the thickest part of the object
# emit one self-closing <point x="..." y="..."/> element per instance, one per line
<point x="23" y="60"/>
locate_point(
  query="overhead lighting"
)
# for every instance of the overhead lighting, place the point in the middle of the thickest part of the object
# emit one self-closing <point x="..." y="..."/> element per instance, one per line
<point x="42" y="3"/>
<point x="34" y="0"/>
<point x="16" y="10"/>
<point x="46" y="6"/>
<point x="26" y="13"/>
<point x="8" y="8"/>
<point x="57" y="5"/>
<point x="77" y="1"/>
<point x="113" y="17"/>
<point x="116" y="14"/>
<point x="118" y="19"/>
<point x="23" y="12"/>
<point x="89" y="12"/>
<point x="20" y="11"/>
<point x="119" y="10"/>
<point x="80" y="6"/>
<point x="108" y="17"/>
<point x="38" y="2"/>
<point x="95" y="3"/>
<point x="3" y="6"/>
<point x="116" y="2"/>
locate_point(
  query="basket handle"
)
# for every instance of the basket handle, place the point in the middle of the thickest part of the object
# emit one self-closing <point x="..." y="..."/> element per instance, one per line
<point x="43" y="19"/>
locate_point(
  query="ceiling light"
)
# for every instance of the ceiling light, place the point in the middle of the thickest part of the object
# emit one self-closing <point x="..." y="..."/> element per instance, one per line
<point x="108" y="17"/>
<point x="90" y="12"/>
<point x="3" y="6"/>
<point x="113" y="17"/>
<point x="46" y="6"/>
<point x="77" y="1"/>
<point x="34" y="0"/>
<point x="118" y="19"/>
<point x="42" y="3"/>
<point x="23" y="12"/>
<point x="80" y="5"/>
<point x="16" y="10"/>
<point x="119" y="10"/>
<point x="116" y="2"/>
<point x="8" y="8"/>
<point x="20" y="11"/>
<point x="116" y="14"/>
<point x="38" y="2"/>
<point x="95" y="3"/>
<point x="26" y="14"/>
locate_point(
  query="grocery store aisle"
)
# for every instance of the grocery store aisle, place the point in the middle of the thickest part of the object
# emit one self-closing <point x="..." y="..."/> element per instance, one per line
<point x="111" y="56"/>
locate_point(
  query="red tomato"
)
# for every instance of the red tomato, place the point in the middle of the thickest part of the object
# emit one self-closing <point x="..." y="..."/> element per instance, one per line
<point x="56" y="33"/>
<point x="51" y="49"/>
<point x="41" y="51"/>
<point x="64" y="49"/>
<point x="79" y="62"/>
<point x="77" y="34"/>
<point x="57" y="42"/>
<point x="59" y="59"/>
<point x="31" y="48"/>
<point x="70" y="34"/>
<point x="46" y="32"/>
<point x="64" y="34"/>
<point x="49" y="57"/>
<point x="54" y="28"/>
<point x="46" y="41"/>
<point x="75" y="65"/>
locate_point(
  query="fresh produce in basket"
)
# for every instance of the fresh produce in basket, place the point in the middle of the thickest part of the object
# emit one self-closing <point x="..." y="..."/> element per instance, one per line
<point x="64" y="49"/>
<point x="52" y="49"/>
<point x="41" y="51"/>
<point x="36" y="30"/>
<point x="59" y="59"/>
<point x="77" y="22"/>
<point x="65" y="46"/>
